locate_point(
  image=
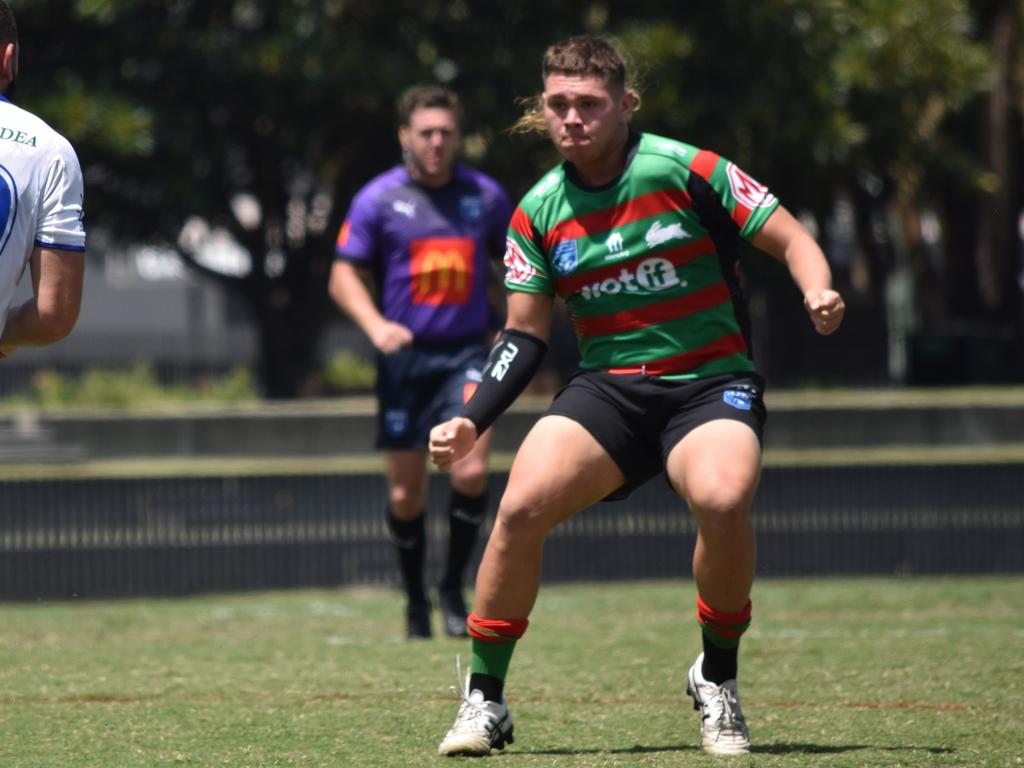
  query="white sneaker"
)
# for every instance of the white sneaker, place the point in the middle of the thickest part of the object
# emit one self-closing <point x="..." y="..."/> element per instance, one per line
<point x="479" y="725"/>
<point x="723" y="730"/>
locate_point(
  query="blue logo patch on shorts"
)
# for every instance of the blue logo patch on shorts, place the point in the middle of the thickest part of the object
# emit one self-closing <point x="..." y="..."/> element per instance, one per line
<point x="396" y="422"/>
<point x="565" y="257"/>
<point x="743" y="399"/>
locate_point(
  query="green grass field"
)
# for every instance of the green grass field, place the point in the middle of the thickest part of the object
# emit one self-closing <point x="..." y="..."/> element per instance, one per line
<point x="872" y="672"/>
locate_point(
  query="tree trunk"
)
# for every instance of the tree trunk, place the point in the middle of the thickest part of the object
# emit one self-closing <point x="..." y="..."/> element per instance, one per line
<point x="995" y="251"/>
<point x="291" y="313"/>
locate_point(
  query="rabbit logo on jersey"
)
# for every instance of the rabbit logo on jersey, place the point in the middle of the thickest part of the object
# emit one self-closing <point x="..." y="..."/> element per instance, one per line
<point x="8" y="206"/>
<point x="651" y="276"/>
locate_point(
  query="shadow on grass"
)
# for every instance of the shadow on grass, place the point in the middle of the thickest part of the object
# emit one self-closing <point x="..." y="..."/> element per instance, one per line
<point x="637" y="749"/>
<point x="787" y="748"/>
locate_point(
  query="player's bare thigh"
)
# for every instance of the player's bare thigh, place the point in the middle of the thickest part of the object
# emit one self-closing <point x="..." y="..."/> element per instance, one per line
<point x="559" y="469"/>
<point x="716" y="467"/>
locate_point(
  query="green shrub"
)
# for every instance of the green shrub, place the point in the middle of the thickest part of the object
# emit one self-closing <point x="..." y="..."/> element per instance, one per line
<point x="237" y="385"/>
<point x="346" y="372"/>
<point x="135" y="386"/>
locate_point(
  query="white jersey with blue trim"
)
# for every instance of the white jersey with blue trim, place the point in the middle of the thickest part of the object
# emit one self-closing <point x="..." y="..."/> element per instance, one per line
<point x="41" y="195"/>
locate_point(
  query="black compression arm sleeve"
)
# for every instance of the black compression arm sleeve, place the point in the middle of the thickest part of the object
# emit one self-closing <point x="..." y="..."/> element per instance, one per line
<point x="510" y="367"/>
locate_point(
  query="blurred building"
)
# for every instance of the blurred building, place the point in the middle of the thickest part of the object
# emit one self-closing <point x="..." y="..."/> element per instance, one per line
<point x="145" y="305"/>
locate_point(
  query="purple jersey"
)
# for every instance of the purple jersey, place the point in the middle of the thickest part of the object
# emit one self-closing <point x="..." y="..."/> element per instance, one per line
<point x="429" y="249"/>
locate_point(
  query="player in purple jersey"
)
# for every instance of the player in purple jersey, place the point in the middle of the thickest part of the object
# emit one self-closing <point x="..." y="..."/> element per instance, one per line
<point x="425" y="233"/>
<point x="637" y="233"/>
<point x="40" y="216"/>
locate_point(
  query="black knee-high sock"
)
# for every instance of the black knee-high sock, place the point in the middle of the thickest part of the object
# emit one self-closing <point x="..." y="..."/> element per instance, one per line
<point x="410" y="540"/>
<point x="720" y="664"/>
<point x="465" y="514"/>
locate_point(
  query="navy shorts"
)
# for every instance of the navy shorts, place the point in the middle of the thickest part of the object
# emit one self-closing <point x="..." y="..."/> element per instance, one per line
<point x="420" y="386"/>
<point x="638" y="419"/>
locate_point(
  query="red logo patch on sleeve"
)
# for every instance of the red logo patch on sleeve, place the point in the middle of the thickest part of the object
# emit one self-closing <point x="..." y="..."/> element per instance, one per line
<point x="746" y="189"/>
<point x="749" y="193"/>
<point x="517" y="268"/>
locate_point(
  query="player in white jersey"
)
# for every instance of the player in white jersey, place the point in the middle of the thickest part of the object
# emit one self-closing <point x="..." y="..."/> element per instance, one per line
<point x="41" y="193"/>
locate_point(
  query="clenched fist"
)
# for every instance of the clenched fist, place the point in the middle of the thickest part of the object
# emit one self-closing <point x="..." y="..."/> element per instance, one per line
<point x="451" y="440"/>
<point x="826" y="308"/>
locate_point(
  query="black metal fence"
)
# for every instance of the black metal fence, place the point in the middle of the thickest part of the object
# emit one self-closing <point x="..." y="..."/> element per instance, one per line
<point x="172" y="536"/>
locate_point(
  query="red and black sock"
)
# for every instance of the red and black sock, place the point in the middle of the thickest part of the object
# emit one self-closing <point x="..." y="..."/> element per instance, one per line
<point x="721" y="632"/>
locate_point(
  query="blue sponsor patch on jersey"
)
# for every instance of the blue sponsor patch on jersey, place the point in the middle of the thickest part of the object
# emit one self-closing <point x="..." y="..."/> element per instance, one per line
<point x="471" y="207"/>
<point x="741" y="399"/>
<point x="565" y="258"/>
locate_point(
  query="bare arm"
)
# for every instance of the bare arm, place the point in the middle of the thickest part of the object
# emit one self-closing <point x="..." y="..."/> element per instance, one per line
<point x="51" y="313"/>
<point x="348" y="288"/>
<point x="530" y="313"/>
<point x="784" y="237"/>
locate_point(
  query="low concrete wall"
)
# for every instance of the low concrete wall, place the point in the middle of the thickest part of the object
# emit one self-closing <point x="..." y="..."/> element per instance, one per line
<point x="334" y="427"/>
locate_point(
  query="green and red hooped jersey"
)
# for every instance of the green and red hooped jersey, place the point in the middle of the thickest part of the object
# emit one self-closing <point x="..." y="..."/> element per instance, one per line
<point x="646" y="265"/>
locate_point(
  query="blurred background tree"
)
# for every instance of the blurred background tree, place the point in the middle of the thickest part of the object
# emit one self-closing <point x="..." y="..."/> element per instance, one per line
<point x="238" y="128"/>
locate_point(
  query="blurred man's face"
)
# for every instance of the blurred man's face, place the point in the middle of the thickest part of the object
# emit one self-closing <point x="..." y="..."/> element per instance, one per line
<point x="586" y="117"/>
<point x="430" y="142"/>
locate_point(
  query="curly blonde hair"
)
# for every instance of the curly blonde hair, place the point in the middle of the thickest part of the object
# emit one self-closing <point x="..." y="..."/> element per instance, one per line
<point x="587" y="55"/>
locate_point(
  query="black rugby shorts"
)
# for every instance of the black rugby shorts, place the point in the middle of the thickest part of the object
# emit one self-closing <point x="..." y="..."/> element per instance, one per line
<point x="421" y="386"/>
<point x="638" y="419"/>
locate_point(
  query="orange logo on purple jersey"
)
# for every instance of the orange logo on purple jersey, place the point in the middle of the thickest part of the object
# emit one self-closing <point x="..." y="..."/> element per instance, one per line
<point x="441" y="270"/>
<point x="343" y="234"/>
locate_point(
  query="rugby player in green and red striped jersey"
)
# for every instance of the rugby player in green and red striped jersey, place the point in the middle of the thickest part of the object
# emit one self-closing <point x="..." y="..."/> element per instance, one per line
<point x="639" y="235"/>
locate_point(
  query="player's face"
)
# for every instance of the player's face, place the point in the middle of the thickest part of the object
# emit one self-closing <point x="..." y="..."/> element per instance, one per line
<point x="430" y="142"/>
<point x="586" y="117"/>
